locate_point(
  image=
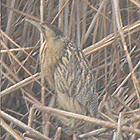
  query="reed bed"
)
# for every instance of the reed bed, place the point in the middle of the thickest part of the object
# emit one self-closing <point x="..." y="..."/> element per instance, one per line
<point x="108" y="32"/>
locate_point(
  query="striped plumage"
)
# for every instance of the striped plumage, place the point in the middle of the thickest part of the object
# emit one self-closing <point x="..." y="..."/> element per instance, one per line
<point x="74" y="82"/>
<point x="67" y="71"/>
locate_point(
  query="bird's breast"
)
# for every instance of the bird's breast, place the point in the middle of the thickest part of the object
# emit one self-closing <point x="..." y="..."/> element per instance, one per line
<point x="50" y="53"/>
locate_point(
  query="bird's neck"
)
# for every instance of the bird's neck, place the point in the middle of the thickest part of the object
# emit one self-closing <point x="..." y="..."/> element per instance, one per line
<point x="53" y="50"/>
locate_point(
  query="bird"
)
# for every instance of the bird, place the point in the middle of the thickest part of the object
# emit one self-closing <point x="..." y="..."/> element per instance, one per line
<point x="67" y="70"/>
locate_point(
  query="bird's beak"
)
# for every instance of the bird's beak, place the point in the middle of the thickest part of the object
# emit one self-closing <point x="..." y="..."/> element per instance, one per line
<point x="38" y="25"/>
<point x="45" y="30"/>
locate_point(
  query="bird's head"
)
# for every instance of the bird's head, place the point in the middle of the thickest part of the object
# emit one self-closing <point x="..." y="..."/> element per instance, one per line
<point x="47" y="29"/>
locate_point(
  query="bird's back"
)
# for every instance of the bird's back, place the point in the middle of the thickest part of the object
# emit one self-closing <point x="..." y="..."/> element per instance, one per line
<point x="74" y="82"/>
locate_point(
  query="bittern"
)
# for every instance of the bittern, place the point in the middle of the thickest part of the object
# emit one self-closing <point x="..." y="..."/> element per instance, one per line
<point x="67" y="71"/>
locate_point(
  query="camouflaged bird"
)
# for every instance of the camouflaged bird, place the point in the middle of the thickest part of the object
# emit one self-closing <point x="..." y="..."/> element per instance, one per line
<point x="67" y="71"/>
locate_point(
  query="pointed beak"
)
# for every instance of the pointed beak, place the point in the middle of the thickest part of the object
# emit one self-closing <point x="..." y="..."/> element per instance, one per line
<point x="37" y="24"/>
<point x="44" y="29"/>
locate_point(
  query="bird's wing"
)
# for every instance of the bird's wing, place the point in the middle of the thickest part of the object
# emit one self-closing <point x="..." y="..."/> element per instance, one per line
<point x="73" y="77"/>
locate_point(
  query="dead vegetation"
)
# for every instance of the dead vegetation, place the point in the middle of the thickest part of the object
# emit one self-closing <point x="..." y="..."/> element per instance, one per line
<point x="107" y="31"/>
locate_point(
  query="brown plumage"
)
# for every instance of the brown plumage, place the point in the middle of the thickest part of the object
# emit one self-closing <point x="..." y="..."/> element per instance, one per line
<point x="67" y="71"/>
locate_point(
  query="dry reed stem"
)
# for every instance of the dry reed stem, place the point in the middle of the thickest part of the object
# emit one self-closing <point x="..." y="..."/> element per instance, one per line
<point x="60" y="11"/>
<point x="84" y="118"/>
<point x="3" y="44"/>
<point x="92" y="133"/>
<point x="21" y="13"/>
<point x="109" y="39"/>
<point x="24" y="126"/>
<point x="21" y="84"/>
<point x="119" y="126"/>
<point x="22" y="49"/>
<point x="94" y="21"/>
<point x="98" y="10"/>
<point x="10" y="19"/>
<point x="58" y="134"/>
<point x="42" y="78"/>
<point x="136" y="3"/>
<point x="132" y="120"/>
<point x="125" y="80"/>
<point x="17" y="50"/>
<point x="10" y="130"/>
<point x="119" y="26"/>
